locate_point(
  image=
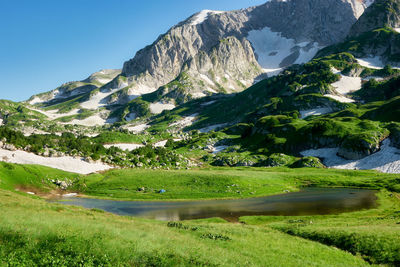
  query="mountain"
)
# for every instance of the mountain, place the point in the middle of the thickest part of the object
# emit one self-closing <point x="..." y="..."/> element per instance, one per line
<point x="383" y="13"/>
<point x="212" y="52"/>
<point x="340" y="109"/>
<point x="379" y="23"/>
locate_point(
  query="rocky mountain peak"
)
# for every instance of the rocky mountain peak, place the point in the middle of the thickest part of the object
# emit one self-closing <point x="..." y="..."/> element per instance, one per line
<point x="381" y="13"/>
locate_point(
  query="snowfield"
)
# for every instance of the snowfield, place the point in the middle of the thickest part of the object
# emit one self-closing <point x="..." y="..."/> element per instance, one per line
<point x="371" y="62"/>
<point x="185" y="122"/>
<point x="125" y="146"/>
<point x="212" y="127"/>
<point x="347" y="84"/>
<point x="53" y="114"/>
<point x="272" y="49"/>
<point x="340" y="98"/>
<point x="157" y="108"/>
<point x="68" y="164"/>
<point x="138" y="128"/>
<point x="387" y="160"/>
<point x="219" y="149"/>
<point x="316" y="111"/>
<point x="131" y="116"/>
<point x="344" y="86"/>
<point x="94" y="120"/>
<point x="202" y="16"/>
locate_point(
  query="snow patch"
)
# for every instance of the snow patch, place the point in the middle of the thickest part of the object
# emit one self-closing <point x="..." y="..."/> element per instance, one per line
<point x="138" y="128"/>
<point x="272" y="49"/>
<point x="53" y="114"/>
<point x="386" y="160"/>
<point x="219" y="149"/>
<point x="131" y="116"/>
<point x="202" y="16"/>
<point x="157" y="108"/>
<point x="161" y="143"/>
<point x="125" y="146"/>
<point x="347" y="84"/>
<point x="341" y="99"/>
<point x="315" y="112"/>
<point x="208" y="103"/>
<point x="212" y="128"/>
<point x="67" y="163"/>
<point x="371" y="62"/>
<point x="185" y="122"/>
<point x="35" y="100"/>
<point x="94" y="120"/>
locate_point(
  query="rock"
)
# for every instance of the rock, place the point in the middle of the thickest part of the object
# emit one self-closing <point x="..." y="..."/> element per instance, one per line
<point x="9" y="147"/>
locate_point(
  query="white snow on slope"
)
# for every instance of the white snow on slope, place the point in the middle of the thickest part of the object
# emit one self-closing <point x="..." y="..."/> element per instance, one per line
<point x="131" y="116"/>
<point x="341" y="99"/>
<point x="212" y="128"/>
<point x="344" y="86"/>
<point x="202" y="16"/>
<point x="185" y="122"/>
<point x="208" y="103"/>
<point x="53" y="114"/>
<point x="219" y="149"/>
<point x="98" y="100"/>
<point x="386" y="160"/>
<point x="69" y="164"/>
<point x="125" y="146"/>
<point x="272" y="48"/>
<point x="157" y="108"/>
<point x="94" y="120"/>
<point x="347" y="84"/>
<point x="316" y="111"/>
<point x="160" y="143"/>
<point x="138" y="128"/>
<point x="371" y="62"/>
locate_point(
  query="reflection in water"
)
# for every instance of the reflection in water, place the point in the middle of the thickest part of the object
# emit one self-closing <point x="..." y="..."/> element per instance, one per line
<point x="310" y="201"/>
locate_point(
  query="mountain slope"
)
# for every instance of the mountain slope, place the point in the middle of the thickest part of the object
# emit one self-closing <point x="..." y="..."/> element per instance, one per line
<point x="215" y="52"/>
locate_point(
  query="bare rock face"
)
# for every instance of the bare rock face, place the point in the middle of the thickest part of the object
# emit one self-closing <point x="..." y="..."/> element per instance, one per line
<point x="382" y="13"/>
<point x="218" y="52"/>
<point x="190" y="45"/>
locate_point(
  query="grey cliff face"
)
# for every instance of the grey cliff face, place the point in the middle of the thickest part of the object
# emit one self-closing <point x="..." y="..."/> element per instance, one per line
<point x="382" y="13"/>
<point x="223" y="52"/>
<point x="322" y="21"/>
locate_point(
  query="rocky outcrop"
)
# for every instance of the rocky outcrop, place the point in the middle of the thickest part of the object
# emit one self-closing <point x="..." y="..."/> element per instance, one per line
<point x="382" y="13"/>
<point x="194" y="41"/>
<point x="358" y="147"/>
<point x="220" y="52"/>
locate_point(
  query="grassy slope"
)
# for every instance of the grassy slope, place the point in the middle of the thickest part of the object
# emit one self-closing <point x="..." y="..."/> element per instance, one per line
<point x="217" y="182"/>
<point x="51" y="234"/>
<point x="373" y="233"/>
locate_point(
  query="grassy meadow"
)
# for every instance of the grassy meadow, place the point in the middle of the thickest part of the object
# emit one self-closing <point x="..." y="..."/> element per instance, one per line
<point x="34" y="232"/>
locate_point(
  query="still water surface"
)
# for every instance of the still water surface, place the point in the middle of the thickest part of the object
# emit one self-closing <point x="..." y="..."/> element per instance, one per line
<point x="309" y="201"/>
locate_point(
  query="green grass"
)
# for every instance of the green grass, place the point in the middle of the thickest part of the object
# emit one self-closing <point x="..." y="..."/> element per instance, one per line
<point x="374" y="233"/>
<point x="37" y="233"/>
<point x="215" y="183"/>
<point x="31" y="176"/>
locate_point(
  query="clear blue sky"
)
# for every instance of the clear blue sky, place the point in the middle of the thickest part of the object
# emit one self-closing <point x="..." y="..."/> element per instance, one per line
<point x="45" y="43"/>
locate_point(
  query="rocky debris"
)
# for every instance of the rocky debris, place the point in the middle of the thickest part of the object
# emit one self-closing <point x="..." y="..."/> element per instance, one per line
<point x="64" y="185"/>
<point x="355" y="148"/>
<point x="382" y="13"/>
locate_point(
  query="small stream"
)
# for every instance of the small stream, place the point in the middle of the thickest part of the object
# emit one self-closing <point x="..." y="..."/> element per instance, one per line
<point x="309" y="201"/>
